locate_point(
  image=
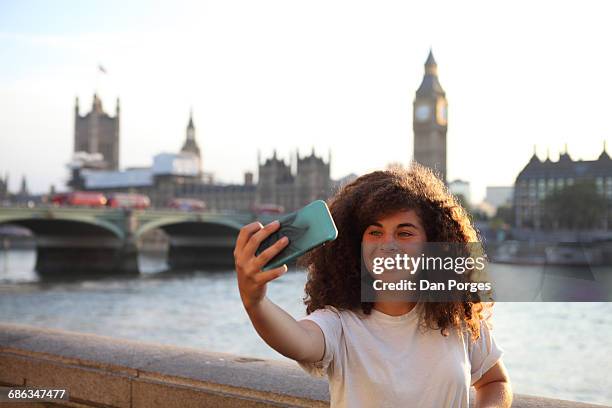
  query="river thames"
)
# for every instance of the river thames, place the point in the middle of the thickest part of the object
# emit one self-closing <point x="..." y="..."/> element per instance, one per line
<point x="552" y="349"/>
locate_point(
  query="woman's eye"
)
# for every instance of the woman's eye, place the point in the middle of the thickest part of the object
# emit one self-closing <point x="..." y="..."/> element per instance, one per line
<point x="405" y="234"/>
<point x="375" y="233"/>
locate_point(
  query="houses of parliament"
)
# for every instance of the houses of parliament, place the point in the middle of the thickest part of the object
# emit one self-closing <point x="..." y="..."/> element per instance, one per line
<point x="95" y="164"/>
<point x="95" y="167"/>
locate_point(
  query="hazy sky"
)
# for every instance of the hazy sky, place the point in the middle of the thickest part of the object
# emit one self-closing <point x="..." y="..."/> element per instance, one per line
<point x="337" y="75"/>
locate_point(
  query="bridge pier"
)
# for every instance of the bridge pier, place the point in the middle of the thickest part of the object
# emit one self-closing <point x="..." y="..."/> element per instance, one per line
<point x="200" y="246"/>
<point x="193" y="257"/>
<point x="73" y="249"/>
<point x="66" y="261"/>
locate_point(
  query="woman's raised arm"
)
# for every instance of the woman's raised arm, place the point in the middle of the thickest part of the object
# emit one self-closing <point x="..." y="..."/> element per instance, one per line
<point x="300" y="341"/>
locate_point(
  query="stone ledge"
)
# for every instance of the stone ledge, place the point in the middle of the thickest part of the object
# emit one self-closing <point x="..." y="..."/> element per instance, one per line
<point x="104" y="371"/>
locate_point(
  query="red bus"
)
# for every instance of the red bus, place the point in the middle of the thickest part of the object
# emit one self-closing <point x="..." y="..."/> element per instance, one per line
<point x="128" y="200"/>
<point x="80" y="198"/>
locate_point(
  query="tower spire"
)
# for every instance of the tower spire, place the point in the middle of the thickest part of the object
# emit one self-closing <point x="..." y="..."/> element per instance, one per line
<point x="430" y="87"/>
<point x="190" y="125"/>
<point x="431" y="67"/>
<point x="97" y="103"/>
<point x="604" y="154"/>
<point x="190" y="144"/>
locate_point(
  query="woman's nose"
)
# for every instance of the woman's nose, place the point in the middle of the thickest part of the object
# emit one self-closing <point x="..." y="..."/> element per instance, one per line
<point x="388" y="243"/>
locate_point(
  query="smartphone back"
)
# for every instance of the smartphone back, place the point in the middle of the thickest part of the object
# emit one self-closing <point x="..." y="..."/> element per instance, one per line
<point x="306" y="229"/>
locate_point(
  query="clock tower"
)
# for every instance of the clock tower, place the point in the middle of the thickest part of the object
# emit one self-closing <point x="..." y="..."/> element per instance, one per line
<point x="430" y="121"/>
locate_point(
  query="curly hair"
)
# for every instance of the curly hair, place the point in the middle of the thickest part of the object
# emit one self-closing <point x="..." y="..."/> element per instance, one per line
<point x="334" y="269"/>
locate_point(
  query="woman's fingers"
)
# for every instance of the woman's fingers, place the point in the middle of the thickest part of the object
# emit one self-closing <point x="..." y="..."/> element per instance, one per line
<point x="256" y="239"/>
<point x="271" y="252"/>
<point x="245" y="233"/>
<point x="264" y="277"/>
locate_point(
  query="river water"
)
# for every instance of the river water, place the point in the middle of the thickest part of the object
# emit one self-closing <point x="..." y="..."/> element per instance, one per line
<point x="558" y="350"/>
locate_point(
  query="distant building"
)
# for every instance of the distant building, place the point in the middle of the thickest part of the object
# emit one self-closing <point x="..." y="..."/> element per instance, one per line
<point x="97" y="132"/>
<point x="169" y="174"/>
<point x="539" y="178"/>
<point x="4" y="188"/>
<point x="23" y="190"/>
<point x="498" y="196"/>
<point x="180" y="175"/>
<point x="430" y="121"/>
<point x="278" y="185"/>
<point x="191" y="145"/>
<point x="461" y="187"/>
<point x="176" y="176"/>
<point x="341" y="182"/>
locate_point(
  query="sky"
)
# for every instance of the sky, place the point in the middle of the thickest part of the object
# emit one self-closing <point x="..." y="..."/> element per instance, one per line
<point x="287" y="75"/>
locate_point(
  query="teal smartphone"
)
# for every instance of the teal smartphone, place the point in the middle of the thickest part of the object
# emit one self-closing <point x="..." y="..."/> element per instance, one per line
<point x="306" y="228"/>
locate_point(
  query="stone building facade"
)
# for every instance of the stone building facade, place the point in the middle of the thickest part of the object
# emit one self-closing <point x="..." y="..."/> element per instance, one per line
<point x="98" y="132"/>
<point x="278" y="185"/>
<point x="539" y="178"/>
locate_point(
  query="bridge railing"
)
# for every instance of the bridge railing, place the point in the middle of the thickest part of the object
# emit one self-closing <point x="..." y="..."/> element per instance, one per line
<point x="103" y="371"/>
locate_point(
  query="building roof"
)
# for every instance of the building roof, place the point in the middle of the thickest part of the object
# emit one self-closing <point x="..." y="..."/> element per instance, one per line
<point x="179" y="164"/>
<point x="430" y="59"/>
<point x="430" y="86"/>
<point x="566" y="167"/>
<point x="95" y="179"/>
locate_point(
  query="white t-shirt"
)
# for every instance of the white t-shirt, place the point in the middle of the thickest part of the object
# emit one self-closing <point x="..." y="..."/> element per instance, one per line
<point x="379" y="360"/>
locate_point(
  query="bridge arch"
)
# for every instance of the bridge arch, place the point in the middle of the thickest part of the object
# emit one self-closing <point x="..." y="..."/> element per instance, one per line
<point x="167" y="224"/>
<point x="197" y="242"/>
<point x="66" y="226"/>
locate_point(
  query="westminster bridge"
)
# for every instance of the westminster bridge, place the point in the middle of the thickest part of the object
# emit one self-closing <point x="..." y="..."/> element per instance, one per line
<point x="104" y="240"/>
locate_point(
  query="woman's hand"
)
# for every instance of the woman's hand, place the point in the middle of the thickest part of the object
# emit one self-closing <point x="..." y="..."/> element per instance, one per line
<point x="251" y="279"/>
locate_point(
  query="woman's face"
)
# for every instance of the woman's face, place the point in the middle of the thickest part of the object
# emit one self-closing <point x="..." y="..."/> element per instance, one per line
<point x="402" y="227"/>
<point x="396" y="234"/>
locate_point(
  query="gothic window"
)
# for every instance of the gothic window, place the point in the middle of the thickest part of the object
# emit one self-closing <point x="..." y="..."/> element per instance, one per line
<point x="542" y="188"/>
<point x="599" y="183"/>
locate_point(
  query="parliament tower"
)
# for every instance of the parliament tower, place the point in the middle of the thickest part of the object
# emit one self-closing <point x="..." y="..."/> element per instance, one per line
<point x="97" y="132"/>
<point x="430" y="121"/>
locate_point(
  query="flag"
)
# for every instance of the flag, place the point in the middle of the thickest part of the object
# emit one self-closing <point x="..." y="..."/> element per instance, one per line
<point x="101" y="69"/>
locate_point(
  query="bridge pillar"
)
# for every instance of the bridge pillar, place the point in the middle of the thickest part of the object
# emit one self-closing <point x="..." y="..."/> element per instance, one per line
<point x="67" y="261"/>
<point x="200" y="246"/>
<point x="66" y="249"/>
<point x="193" y="257"/>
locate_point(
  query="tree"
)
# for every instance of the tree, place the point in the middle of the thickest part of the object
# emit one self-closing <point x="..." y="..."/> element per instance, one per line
<point x="505" y="214"/>
<point x="578" y="206"/>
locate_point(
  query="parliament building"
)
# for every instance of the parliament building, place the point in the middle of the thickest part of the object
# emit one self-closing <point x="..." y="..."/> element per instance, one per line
<point x="95" y="167"/>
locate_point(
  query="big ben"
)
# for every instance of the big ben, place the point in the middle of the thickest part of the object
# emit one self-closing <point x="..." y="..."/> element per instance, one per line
<point x="430" y="121"/>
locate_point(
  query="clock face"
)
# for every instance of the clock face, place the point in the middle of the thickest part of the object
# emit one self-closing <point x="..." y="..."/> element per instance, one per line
<point x="422" y="112"/>
<point x="441" y="112"/>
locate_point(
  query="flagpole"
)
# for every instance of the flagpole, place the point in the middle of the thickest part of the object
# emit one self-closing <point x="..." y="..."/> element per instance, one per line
<point x="99" y="72"/>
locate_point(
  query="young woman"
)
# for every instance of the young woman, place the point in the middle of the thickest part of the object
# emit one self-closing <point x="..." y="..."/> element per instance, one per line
<point x="383" y="353"/>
